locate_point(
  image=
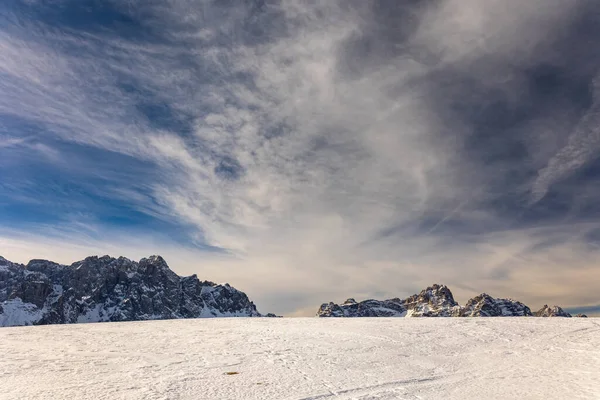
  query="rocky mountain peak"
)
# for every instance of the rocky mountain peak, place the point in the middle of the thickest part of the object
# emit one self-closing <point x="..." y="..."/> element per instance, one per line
<point x="99" y="289"/>
<point x="155" y="260"/>
<point x="332" y="310"/>
<point x="438" y="294"/>
<point x="434" y="301"/>
<point x="554" y="311"/>
<point x="485" y="305"/>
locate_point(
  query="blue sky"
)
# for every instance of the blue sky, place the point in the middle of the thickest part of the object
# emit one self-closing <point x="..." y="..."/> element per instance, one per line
<point x="309" y="151"/>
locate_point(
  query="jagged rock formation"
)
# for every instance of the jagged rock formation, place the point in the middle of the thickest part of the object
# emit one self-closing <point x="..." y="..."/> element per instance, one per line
<point x="367" y="308"/>
<point x="485" y="305"/>
<point x="554" y="311"/>
<point x="435" y="301"/>
<point x="100" y="289"/>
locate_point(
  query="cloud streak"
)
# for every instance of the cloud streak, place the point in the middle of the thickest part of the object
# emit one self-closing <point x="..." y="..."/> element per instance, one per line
<point x="583" y="146"/>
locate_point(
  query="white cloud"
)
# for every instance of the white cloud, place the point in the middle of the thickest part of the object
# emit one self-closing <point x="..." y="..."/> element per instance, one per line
<point x="10" y="141"/>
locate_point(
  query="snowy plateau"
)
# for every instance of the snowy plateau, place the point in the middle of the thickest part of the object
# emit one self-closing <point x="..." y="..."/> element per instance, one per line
<point x="307" y="358"/>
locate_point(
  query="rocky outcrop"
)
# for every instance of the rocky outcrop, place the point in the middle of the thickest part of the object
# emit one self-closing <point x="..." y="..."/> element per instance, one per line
<point x="100" y="289"/>
<point x="554" y="311"/>
<point x="435" y="301"/>
<point x="485" y="305"/>
<point x="367" y="308"/>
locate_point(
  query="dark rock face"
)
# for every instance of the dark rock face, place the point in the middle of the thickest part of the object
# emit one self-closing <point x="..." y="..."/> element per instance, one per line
<point x="554" y="311"/>
<point x="485" y="305"/>
<point x="100" y="289"/>
<point x="435" y="301"/>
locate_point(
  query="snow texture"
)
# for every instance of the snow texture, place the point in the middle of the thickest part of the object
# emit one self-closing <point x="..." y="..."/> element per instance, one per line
<point x="293" y="359"/>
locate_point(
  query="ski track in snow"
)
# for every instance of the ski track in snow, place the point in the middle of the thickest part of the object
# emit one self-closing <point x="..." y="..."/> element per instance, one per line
<point x="305" y="359"/>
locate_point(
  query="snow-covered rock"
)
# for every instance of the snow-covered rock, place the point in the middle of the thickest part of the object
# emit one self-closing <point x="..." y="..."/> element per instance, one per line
<point x="435" y="301"/>
<point x="554" y="311"/>
<point x="100" y="289"/>
<point x="367" y="308"/>
<point x="485" y="305"/>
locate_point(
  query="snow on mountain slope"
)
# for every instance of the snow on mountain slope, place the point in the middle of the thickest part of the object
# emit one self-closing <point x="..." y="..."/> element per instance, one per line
<point x="100" y="289"/>
<point x="15" y="313"/>
<point x="293" y="359"/>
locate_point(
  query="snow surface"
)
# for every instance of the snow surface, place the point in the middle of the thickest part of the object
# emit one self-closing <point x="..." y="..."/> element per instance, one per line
<point x="309" y="358"/>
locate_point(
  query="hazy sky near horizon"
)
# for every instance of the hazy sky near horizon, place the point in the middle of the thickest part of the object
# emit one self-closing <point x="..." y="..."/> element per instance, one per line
<point x="309" y="151"/>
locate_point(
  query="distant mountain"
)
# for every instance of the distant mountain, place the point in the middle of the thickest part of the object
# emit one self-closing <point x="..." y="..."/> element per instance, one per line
<point x="367" y="308"/>
<point x="554" y="311"/>
<point x="100" y="289"/>
<point x="485" y="305"/>
<point x="436" y="301"/>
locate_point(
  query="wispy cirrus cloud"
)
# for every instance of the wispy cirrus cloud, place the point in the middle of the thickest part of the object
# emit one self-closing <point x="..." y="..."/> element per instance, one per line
<point x="582" y="147"/>
<point x="318" y="145"/>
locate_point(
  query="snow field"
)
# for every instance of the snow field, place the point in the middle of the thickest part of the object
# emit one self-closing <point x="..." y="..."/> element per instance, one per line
<point x="305" y="358"/>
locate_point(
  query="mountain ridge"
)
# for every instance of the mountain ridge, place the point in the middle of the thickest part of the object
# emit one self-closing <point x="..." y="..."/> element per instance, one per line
<point x="437" y="301"/>
<point x="103" y="289"/>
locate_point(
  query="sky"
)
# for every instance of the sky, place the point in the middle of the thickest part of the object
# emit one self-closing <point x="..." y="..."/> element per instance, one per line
<point x="309" y="151"/>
